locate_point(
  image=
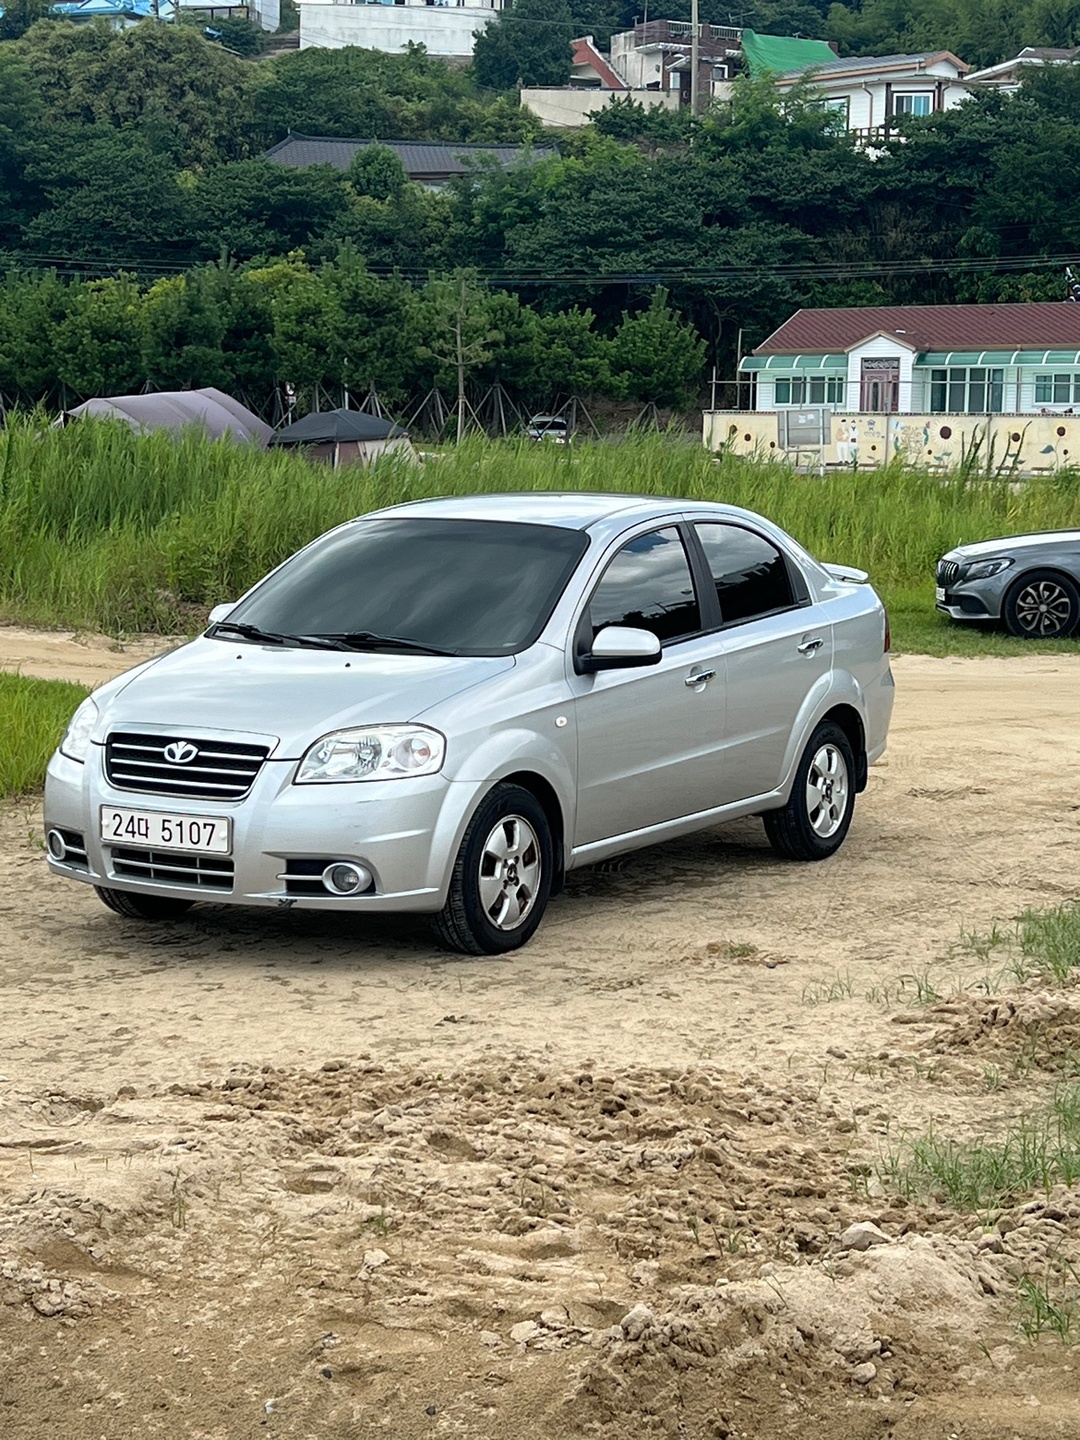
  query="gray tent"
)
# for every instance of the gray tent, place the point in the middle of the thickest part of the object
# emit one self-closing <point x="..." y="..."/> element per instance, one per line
<point x="345" y="437"/>
<point x="217" y="413"/>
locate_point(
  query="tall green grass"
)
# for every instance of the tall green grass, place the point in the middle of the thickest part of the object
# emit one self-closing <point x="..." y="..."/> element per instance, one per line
<point x="103" y="528"/>
<point x="33" y="716"/>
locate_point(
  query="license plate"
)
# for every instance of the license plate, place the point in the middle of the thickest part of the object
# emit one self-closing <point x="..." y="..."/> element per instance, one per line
<point x="204" y="834"/>
<point x="939" y="594"/>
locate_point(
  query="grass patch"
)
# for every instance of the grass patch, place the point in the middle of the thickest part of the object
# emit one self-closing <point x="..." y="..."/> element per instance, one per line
<point x="1040" y="943"/>
<point x="33" y="716"/>
<point x="105" y="529"/>
<point x="983" y="1176"/>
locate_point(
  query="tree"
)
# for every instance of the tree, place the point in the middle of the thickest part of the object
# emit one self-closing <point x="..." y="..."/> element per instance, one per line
<point x="460" y="333"/>
<point x="19" y="15"/>
<point x="98" y="342"/>
<point x="375" y="170"/>
<point x="527" y="44"/>
<point x="656" y="357"/>
<point x="20" y="126"/>
<point x="256" y="209"/>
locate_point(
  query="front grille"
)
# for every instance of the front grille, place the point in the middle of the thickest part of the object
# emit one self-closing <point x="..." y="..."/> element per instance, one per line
<point x="173" y="867"/>
<point x="304" y="877"/>
<point x="221" y="770"/>
<point x="947" y="571"/>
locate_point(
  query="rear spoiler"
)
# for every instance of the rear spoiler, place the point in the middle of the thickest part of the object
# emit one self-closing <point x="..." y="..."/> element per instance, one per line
<point x="849" y="573"/>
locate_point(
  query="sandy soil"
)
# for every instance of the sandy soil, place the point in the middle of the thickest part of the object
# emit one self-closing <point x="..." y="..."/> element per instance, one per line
<point x="287" y="1174"/>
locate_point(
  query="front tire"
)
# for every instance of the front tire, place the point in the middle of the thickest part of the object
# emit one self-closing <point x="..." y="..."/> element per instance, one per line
<point x="142" y="907"/>
<point x="817" y="817"/>
<point x="1042" y="606"/>
<point x="501" y="881"/>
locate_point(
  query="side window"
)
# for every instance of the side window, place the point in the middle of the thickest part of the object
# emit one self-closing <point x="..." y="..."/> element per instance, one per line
<point x="750" y="574"/>
<point x="648" y="585"/>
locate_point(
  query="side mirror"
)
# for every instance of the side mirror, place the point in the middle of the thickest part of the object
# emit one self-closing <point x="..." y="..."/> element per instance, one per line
<point x="620" y="647"/>
<point x="220" y="612"/>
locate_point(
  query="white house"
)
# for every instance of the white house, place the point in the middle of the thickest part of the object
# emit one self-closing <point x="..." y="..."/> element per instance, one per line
<point x="872" y="91"/>
<point x="926" y="381"/>
<point x="445" y="27"/>
<point x="1006" y="76"/>
<point x="594" y="85"/>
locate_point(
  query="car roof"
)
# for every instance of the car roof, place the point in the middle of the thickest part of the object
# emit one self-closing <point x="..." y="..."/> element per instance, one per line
<point x="577" y="510"/>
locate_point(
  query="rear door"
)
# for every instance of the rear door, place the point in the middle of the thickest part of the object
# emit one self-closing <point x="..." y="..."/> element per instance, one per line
<point x="777" y="643"/>
<point x="649" y="739"/>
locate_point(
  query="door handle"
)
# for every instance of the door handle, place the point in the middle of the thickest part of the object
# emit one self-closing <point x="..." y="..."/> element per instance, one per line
<point x="699" y="677"/>
<point x="809" y="646"/>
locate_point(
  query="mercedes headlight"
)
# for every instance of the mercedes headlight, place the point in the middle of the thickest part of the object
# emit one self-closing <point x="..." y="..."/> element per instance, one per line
<point x="376" y="752"/>
<point x="76" y="742"/>
<point x="983" y="569"/>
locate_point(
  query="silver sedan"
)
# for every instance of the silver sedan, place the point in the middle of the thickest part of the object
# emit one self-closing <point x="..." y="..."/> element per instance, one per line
<point x="443" y="707"/>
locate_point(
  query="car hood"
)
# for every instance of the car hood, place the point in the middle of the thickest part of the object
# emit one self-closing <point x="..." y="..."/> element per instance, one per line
<point x="1008" y="543"/>
<point x="289" y="695"/>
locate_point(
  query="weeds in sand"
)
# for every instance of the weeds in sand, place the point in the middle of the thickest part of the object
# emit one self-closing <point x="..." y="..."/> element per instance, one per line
<point x="825" y="992"/>
<point x="1040" y="943"/>
<point x="983" y="1175"/>
<point x="1042" y="1312"/>
<point x="178" y="1205"/>
<point x="918" y="989"/>
<point x="991" y="1077"/>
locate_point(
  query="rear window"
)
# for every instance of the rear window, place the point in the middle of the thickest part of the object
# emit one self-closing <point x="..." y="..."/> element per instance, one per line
<point x="476" y="587"/>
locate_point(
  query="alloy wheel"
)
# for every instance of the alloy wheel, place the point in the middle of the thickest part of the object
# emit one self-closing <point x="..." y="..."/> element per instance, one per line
<point x="510" y="870"/>
<point x="828" y="791"/>
<point x="1043" y="608"/>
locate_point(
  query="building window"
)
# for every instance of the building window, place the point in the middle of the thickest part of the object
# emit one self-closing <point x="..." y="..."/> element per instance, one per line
<point x="920" y="102"/>
<point x="840" y="104"/>
<point x="810" y="390"/>
<point x="976" y="391"/>
<point x="1057" y="389"/>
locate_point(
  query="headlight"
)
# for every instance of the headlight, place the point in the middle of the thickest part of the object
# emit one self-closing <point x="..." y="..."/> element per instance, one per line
<point x="983" y="569"/>
<point x="378" y="752"/>
<point x="76" y="741"/>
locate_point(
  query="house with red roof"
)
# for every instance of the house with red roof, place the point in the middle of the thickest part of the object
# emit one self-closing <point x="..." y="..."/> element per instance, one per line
<point x="930" y="382"/>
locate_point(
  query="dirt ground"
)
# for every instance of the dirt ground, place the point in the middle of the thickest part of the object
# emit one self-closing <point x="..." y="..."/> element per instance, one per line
<point x="282" y="1174"/>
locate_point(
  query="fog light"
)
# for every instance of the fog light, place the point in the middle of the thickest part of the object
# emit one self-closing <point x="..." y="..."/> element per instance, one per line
<point x="342" y="879"/>
<point x="55" y="841"/>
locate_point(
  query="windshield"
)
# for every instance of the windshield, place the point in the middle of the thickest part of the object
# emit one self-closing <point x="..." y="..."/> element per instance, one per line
<point x="464" y="587"/>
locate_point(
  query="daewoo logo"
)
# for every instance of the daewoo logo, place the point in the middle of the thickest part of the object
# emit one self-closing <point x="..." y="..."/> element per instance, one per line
<point x="181" y="752"/>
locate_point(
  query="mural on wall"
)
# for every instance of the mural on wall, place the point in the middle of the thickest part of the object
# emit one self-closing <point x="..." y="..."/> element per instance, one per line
<point x="1002" y="445"/>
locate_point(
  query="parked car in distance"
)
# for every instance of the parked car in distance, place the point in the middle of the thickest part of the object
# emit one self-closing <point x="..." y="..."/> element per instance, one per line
<point x="444" y="706"/>
<point x="555" y="428"/>
<point x="1031" y="582"/>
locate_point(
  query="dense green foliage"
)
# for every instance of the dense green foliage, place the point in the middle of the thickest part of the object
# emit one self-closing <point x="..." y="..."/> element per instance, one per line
<point x="139" y="152"/>
<point x="333" y="325"/>
<point x="33" y="717"/>
<point x="101" y="528"/>
<point x="527" y="44"/>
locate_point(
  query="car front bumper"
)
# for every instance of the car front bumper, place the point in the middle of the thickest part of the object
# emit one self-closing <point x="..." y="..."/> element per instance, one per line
<point x="405" y="832"/>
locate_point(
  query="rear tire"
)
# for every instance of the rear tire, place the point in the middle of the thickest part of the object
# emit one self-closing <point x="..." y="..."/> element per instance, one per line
<point x="1042" y="606"/>
<point x="142" y="907"/>
<point x="817" y="817"/>
<point x="502" y="876"/>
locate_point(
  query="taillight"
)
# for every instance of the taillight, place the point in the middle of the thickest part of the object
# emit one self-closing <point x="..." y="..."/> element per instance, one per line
<point x="888" y="634"/>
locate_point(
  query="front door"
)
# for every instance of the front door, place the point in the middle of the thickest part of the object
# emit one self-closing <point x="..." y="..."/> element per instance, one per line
<point x="880" y="386"/>
<point x="649" y="739"/>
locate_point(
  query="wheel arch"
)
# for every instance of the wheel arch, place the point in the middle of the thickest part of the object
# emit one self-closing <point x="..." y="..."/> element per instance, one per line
<point x="851" y="723"/>
<point x="547" y="797"/>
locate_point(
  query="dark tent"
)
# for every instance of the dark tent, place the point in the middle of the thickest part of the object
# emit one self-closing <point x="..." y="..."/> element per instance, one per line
<point x="214" y="411"/>
<point x="344" y="437"/>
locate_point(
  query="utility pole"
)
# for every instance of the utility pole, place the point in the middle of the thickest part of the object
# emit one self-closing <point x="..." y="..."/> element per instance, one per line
<point x="694" y="45"/>
<point x="459" y="355"/>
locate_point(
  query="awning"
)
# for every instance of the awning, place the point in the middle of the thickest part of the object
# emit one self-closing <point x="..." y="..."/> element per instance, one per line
<point x="1000" y="357"/>
<point x="791" y="363"/>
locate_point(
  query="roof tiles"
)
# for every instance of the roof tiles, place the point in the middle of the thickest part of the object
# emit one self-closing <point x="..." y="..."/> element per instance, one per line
<point x="1038" y="325"/>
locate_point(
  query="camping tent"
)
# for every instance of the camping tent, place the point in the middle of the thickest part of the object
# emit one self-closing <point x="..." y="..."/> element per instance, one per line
<point x="215" y="412"/>
<point x="345" y="437"/>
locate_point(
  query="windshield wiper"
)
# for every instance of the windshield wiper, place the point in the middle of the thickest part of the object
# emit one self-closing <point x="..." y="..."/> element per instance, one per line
<point x="269" y="637"/>
<point x="369" y="640"/>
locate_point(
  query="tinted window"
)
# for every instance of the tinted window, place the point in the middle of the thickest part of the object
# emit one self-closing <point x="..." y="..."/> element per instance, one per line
<point x="648" y="585"/>
<point x="478" y="587"/>
<point x="751" y="575"/>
